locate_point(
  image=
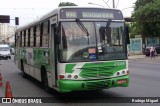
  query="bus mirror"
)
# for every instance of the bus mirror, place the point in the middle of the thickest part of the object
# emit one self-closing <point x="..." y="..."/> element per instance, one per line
<point x="127" y="35"/>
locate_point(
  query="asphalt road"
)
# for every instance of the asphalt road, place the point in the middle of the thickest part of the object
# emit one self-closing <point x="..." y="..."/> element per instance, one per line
<point x="145" y="77"/>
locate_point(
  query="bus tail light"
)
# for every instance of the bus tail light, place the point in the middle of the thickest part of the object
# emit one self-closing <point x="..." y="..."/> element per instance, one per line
<point x="61" y="76"/>
<point x="127" y="71"/>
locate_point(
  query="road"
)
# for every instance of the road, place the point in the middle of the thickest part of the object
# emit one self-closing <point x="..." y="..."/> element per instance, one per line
<point x="145" y="77"/>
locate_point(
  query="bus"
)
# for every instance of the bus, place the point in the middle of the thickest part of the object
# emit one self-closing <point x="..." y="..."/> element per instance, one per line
<point x="75" y="48"/>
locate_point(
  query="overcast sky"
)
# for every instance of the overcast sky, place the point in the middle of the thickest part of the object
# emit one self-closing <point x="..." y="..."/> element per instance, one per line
<point x="29" y="10"/>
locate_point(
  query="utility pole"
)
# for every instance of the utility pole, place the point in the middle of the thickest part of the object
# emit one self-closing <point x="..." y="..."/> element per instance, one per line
<point x="113" y="4"/>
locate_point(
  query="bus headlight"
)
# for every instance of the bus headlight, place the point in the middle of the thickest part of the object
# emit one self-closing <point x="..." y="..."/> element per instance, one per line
<point x="123" y="72"/>
<point x="69" y="76"/>
<point x="76" y="76"/>
<point x="118" y="73"/>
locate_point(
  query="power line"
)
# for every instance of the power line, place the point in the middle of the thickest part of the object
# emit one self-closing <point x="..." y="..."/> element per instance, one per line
<point x="117" y="4"/>
<point x="27" y="8"/>
<point x="106" y="3"/>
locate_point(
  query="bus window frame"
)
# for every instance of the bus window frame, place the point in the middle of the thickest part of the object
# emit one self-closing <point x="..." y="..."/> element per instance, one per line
<point x="24" y="38"/>
<point x="28" y="37"/>
<point x="34" y="35"/>
<point x="20" y="43"/>
<point x="45" y="25"/>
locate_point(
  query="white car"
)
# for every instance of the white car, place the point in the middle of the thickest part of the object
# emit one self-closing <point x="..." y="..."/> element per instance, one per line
<point x="5" y="51"/>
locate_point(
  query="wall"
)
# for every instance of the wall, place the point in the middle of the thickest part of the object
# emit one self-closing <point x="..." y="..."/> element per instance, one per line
<point x="135" y="46"/>
<point x="150" y="41"/>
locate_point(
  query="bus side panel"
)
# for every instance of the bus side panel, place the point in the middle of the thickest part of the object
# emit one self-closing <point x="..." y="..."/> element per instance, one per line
<point x="32" y="71"/>
<point x="26" y="68"/>
<point x="38" y="74"/>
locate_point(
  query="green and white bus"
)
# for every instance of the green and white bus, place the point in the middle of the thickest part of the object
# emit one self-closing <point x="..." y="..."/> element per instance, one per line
<point x="75" y="48"/>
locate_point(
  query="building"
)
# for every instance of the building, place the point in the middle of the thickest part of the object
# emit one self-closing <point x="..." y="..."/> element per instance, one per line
<point x="7" y="33"/>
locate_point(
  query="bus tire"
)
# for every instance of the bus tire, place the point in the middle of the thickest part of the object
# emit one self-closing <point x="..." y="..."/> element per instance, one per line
<point x="45" y="81"/>
<point x="22" y="69"/>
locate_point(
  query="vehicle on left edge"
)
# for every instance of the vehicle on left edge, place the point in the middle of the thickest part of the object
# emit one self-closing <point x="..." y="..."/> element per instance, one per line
<point x="5" y="51"/>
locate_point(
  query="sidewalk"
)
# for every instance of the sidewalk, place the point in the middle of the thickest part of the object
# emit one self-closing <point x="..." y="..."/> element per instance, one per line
<point x="141" y="56"/>
<point x="138" y="56"/>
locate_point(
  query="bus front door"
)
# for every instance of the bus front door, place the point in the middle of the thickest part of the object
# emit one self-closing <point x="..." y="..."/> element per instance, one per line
<point x="53" y="55"/>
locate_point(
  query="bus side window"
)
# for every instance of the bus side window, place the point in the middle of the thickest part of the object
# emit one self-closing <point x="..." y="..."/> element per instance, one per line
<point x="26" y="43"/>
<point x="34" y="32"/>
<point x="17" y="40"/>
<point x="45" y="34"/>
<point x="31" y="37"/>
<point x="38" y="36"/>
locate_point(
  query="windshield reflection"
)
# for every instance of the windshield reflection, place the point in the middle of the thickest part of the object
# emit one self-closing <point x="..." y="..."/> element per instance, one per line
<point x="76" y="46"/>
<point x="111" y="42"/>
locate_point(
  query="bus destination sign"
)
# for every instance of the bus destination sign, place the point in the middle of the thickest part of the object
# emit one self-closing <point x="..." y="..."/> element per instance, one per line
<point x="84" y="13"/>
<point x="97" y="15"/>
<point x="71" y="14"/>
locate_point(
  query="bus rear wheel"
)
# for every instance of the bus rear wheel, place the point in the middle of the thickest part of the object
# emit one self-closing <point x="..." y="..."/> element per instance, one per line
<point x="22" y="69"/>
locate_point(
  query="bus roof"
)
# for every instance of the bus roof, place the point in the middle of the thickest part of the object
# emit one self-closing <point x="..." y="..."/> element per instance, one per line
<point x="56" y="11"/>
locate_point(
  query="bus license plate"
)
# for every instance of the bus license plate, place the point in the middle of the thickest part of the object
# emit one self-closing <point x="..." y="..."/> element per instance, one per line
<point x="123" y="81"/>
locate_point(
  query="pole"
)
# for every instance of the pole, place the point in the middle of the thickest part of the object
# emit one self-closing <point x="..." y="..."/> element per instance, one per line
<point x="113" y="4"/>
<point x="95" y="4"/>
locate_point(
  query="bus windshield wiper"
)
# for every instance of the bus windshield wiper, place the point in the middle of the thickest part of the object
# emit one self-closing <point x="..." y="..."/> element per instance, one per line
<point x="83" y="28"/>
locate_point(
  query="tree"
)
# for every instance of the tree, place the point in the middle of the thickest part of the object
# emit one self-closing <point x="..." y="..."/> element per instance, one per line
<point x="66" y="4"/>
<point x="140" y="3"/>
<point x="147" y="18"/>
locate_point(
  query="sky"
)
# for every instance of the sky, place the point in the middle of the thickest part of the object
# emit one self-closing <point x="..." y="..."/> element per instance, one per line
<point x="29" y="10"/>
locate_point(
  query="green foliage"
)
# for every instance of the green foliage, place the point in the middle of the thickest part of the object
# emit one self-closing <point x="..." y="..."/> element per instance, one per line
<point x="147" y="18"/>
<point x="66" y="4"/>
<point x="132" y="29"/>
<point x="140" y="3"/>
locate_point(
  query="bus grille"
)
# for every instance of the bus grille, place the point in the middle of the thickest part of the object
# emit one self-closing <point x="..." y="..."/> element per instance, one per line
<point x="97" y="72"/>
<point x="97" y="85"/>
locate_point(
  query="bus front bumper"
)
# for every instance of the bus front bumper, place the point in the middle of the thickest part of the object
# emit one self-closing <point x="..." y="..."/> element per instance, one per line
<point x="77" y="85"/>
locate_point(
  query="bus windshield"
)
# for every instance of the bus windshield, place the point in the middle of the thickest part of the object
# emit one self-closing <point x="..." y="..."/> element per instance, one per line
<point x="98" y="45"/>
